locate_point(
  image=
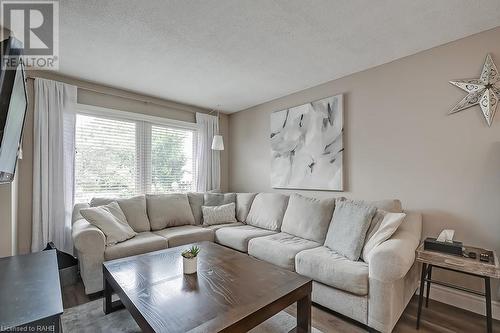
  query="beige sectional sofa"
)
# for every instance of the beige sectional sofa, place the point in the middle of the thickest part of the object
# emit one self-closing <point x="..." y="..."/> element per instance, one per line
<point x="373" y="294"/>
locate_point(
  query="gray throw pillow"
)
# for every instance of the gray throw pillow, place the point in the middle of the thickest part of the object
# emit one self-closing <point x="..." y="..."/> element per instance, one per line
<point x="389" y="205"/>
<point x="223" y="214"/>
<point x="219" y="199"/>
<point x="347" y="231"/>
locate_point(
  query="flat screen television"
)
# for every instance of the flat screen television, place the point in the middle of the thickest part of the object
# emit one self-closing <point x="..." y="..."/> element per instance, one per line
<point x="13" y="106"/>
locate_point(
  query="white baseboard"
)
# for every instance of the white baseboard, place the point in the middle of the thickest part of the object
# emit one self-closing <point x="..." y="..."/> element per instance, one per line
<point x="463" y="300"/>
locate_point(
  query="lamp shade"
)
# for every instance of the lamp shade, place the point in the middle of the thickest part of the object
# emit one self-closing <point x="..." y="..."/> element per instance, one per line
<point x="217" y="143"/>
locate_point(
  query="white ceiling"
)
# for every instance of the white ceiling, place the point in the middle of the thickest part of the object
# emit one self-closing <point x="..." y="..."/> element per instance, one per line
<point x="240" y="53"/>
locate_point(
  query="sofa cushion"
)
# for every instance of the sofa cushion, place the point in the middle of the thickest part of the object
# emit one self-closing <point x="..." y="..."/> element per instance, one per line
<point x="185" y="234"/>
<point x="218" y="199"/>
<point x="389" y="205"/>
<point x="243" y="204"/>
<point x="196" y="201"/>
<point x="328" y="267"/>
<point x="267" y="211"/>
<point x="111" y="220"/>
<point x="308" y="218"/>
<point x="218" y="226"/>
<point x="168" y="210"/>
<point x="101" y="201"/>
<point x="345" y="303"/>
<point x="219" y="214"/>
<point x="238" y="237"/>
<point x="134" y="209"/>
<point x="143" y="242"/>
<point x="347" y="231"/>
<point x="279" y="249"/>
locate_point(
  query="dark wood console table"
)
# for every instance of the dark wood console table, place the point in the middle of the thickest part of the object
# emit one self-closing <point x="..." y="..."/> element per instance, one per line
<point x="473" y="267"/>
<point x="30" y="293"/>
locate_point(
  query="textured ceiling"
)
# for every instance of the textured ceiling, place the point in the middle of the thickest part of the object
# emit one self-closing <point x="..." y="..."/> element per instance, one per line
<point x="240" y="53"/>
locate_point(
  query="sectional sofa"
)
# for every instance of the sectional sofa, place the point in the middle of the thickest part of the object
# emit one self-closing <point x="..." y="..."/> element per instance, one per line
<point x="268" y="228"/>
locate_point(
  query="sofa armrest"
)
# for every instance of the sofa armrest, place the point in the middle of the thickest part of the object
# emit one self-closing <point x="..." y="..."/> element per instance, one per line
<point x="392" y="259"/>
<point x="75" y="216"/>
<point x="90" y="243"/>
<point x="88" y="239"/>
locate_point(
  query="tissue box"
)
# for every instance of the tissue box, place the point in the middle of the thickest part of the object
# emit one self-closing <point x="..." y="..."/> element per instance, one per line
<point x="454" y="248"/>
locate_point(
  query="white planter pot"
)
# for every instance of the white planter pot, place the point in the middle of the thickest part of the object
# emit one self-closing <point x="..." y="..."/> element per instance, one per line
<point x="189" y="265"/>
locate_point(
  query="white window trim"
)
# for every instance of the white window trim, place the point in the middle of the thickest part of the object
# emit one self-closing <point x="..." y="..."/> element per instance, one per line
<point x="116" y="114"/>
<point x="119" y="115"/>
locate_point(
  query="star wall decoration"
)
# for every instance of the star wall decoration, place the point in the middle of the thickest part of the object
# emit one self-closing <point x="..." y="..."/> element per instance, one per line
<point x="484" y="91"/>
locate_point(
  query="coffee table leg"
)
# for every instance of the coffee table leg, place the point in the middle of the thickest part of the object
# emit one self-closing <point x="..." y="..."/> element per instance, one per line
<point x="304" y="314"/>
<point x="108" y="292"/>
<point x="108" y="304"/>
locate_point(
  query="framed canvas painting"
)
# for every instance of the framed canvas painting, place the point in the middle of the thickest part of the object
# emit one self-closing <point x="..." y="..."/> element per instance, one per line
<point x="307" y="146"/>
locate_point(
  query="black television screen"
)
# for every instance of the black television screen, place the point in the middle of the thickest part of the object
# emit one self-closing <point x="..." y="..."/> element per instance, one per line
<point x="13" y="105"/>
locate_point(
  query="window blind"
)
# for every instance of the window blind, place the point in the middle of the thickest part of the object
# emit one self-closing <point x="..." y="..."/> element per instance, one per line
<point x="172" y="162"/>
<point x="122" y="157"/>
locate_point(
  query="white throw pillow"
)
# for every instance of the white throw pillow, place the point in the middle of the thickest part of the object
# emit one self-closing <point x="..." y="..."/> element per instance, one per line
<point x="219" y="214"/>
<point x="111" y="220"/>
<point x="384" y="226"/>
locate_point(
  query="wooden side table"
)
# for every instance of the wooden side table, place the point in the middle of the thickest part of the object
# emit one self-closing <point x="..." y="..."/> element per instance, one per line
<point x="474" y="267"/>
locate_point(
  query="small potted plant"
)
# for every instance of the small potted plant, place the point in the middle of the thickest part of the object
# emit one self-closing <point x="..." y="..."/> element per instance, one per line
<point x="190" y="260"/>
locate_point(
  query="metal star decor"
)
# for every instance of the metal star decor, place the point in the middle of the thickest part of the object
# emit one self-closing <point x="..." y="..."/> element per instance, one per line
<point x="484" y="91"/>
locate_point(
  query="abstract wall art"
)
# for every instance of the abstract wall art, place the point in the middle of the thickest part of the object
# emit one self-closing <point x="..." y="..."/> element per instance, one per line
<point x="307" y="146"/>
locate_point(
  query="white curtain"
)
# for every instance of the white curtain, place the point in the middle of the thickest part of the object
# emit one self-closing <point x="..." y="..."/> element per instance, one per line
<point x="207" y="160"/>
<point x="53" y="164"/>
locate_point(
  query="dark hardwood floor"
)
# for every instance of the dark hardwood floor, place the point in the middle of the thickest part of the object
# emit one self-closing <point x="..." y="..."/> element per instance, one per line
<point x="438" y="317"/>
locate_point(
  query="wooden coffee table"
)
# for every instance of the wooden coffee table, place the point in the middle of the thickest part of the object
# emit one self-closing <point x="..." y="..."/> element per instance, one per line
<point x="231" y="292"/>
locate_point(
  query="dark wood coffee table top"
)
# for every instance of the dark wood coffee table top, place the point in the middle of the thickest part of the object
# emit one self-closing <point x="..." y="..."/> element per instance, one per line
<point x="230" y="292"/>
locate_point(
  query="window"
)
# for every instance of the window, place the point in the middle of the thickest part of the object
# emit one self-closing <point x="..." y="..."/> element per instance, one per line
<point x="119" y="154"/>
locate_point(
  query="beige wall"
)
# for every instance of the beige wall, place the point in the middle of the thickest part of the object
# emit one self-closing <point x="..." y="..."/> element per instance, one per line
<point x="400" y="142"/>
<point x="8" y="219"/>
<point x="5" y="220"/>
<point x="109" y="98"/>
